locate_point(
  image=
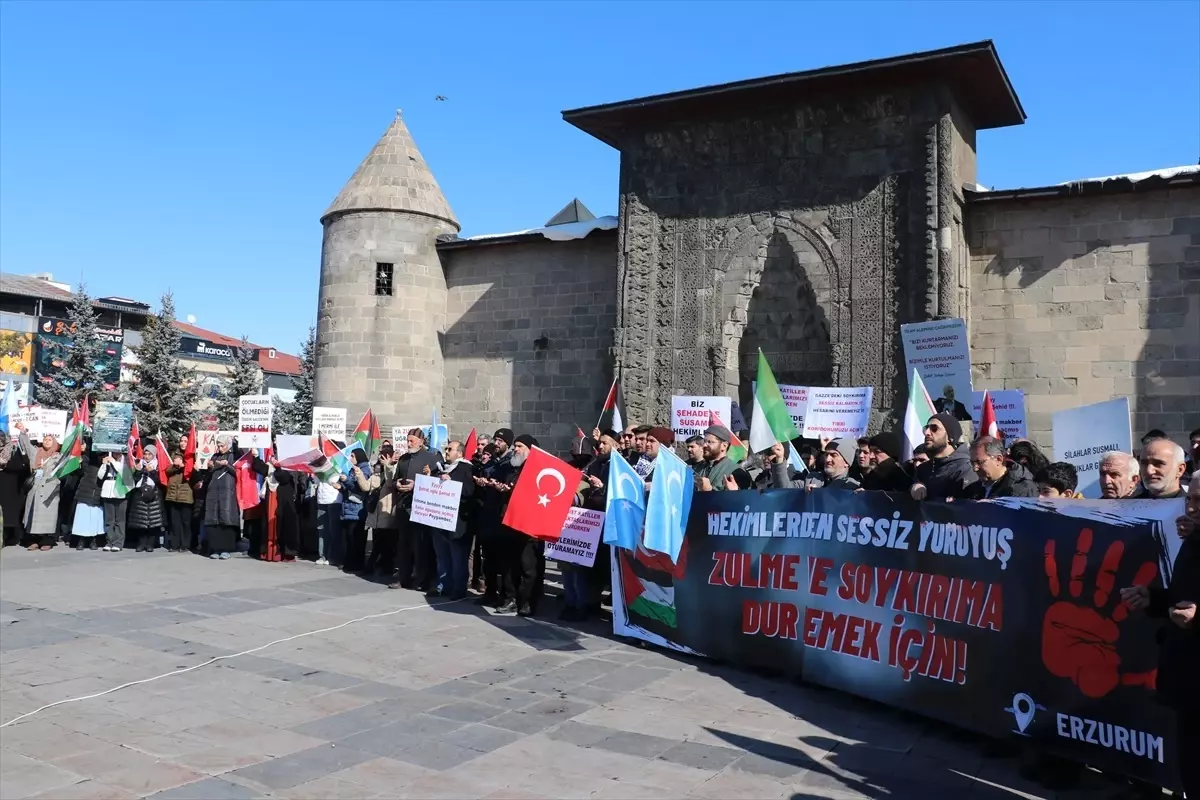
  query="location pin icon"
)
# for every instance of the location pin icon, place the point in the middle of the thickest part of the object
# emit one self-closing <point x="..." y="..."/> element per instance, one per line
<point x="1023" y="710"/>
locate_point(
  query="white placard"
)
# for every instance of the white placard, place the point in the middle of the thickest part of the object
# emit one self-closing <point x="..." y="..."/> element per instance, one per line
<point x="690" y="414"/>
<point x="330" y="422"/>
<point x="837" y="413"/>
<point x="941" y="355"/>
<point x="580" y="537"/>
<point x="29" y="419"/>
<point x="254" y="420"/>
<point x="435" y="502"/>
<point x="52" y="421"/>
<point x="400" y="435"/>
<point x="1009" y="405"/>
<point x="1082" y="435"/>
<point x="206" y="445"/>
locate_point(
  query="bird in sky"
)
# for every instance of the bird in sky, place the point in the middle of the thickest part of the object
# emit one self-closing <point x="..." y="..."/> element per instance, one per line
<point x="440" y="98"/>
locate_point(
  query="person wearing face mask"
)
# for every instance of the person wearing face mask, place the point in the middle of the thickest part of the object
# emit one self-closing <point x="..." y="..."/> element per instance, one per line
<point x="222" y="518"/>
<point x="948" y="472"/>
<point x="41" y="502"/>
<point x="1177" y="681"/>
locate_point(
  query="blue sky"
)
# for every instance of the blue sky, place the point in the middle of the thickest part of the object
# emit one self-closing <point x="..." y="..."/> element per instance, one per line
<point x="194" y="146"/>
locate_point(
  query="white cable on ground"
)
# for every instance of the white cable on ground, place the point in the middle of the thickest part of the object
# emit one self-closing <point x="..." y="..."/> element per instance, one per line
<point x="220" y="658"/>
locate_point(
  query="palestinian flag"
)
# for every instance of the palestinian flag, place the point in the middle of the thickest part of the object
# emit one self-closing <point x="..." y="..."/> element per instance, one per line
<point x="771" y="422"/>
<point x="611" y="417"/>
<point x="737" y="448"/>
<point x="920" y="409"/>
<point x="648" y="583"/>
<point x="471" y="445"/>
<point x="72" y="449"/>
<point x="367" y="433"/>
<point x="85" y="411"/>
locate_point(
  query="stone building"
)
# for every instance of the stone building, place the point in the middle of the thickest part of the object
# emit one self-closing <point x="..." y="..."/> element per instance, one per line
<point x="808" y="214"/>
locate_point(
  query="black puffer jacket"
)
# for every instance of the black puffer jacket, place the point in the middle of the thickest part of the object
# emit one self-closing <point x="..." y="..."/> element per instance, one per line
<point x="84" y="483"/>
<point x="888" y="476"/>
<point x="1017" y="482"/>
<point x="145" y="503"/>
<point x="949" y="476"/>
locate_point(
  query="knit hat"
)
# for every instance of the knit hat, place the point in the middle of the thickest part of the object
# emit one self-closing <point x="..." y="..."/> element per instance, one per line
<point x="504" y="435"/>
<point x="846" y="448"/>
<point x="720" y="432"/>
<point x="952" y="426"/>
<point x="526" y="440"/>
<point x="662" y="435"/>
<point x="888" y="443"/>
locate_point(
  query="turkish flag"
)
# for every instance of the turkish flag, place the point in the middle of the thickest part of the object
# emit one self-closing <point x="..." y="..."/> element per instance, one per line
<point x="544" y="493"/>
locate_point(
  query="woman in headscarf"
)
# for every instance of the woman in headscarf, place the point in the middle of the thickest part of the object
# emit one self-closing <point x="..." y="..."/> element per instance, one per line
<point x="87" y="517"/>
<point x="180" y="496"/>
<point x="145" y="502"/>
<point x="222" y="519"/>
<point x="14" y="470"/>
<point x="41" y="504"/>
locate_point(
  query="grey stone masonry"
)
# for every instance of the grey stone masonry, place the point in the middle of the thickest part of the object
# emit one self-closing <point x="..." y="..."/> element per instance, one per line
<point x="529" y="330"/>
<point x="1081" y="300"/>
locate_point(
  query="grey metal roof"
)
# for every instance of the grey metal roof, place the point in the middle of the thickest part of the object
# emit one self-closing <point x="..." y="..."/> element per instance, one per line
<point x="27" y="286"/>
<point x="393" y="177"/>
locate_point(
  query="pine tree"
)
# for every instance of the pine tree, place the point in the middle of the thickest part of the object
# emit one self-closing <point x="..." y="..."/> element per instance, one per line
<point x="64" y="386"/>
<point x="296" y="416"/>
<point x="165" y="392"/>
<point x="244" y="378"/>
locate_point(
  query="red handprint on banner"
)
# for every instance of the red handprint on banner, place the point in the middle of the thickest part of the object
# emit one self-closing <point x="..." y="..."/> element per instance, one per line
<point x="1079" y="643"/>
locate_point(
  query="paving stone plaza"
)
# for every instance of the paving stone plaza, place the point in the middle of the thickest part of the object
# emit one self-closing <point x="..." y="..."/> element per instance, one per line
<point x="444" y="702"/>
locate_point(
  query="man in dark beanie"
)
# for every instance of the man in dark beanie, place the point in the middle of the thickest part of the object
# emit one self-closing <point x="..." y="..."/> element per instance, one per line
<point x="948" y="472"/>
<point x="887" y="474"/>
<point x="523" y="555"/>
<point x="490" y="484"/>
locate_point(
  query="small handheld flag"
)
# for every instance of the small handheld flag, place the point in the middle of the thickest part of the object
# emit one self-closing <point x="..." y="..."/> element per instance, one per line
<point x="611" y="417"/>
<point x="987" y="425"/>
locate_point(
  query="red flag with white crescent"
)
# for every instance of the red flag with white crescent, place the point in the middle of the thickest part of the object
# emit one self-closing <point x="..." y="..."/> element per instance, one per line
<point x="987" y="423"/>
<point x="544" y="493"/>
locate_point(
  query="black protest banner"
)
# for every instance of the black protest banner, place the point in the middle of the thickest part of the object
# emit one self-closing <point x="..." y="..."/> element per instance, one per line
<point x="1002" y="618"/>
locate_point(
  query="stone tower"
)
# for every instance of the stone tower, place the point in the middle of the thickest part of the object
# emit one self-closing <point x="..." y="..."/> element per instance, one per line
<point x="382" y="303"/>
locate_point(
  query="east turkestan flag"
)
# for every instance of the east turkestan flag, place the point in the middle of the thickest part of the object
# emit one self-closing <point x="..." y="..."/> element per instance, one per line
<point x="916" y="415"/>
<point x="611" y="417"/>
<point x="625" y="505"/>
<point x="771" y="422"/>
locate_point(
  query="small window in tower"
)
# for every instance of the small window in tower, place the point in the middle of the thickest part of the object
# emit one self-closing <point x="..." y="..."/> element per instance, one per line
<point x="383" y="280"/>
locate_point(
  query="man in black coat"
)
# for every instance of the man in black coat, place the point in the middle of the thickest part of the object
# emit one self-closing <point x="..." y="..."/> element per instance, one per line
<point x="453" y="548"/>
<point x="887" y="474"/>
<point x="997" y="477"/>
<point x="948" y="471"/>
<point x="493" y="483"/>
<point x="1178" y="681"/>
<point x="414" y="548"/>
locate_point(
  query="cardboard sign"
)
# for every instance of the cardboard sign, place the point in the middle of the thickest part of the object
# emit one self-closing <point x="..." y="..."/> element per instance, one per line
<point x="940" y="354"/>
<point x="400" y="435"/>
<point x="329" y="422"/>
<point x="1082" y="435"/>
<point x="111" y="424"/>
<point x="1009" y="405"/>
<point x="580" y="537"/>
<point x="837" y="413"/>
<point x="435" y="502"/>
<point x="690" y="414"/>
<point x="254" y="420"/>
<point x="52" y="422"/>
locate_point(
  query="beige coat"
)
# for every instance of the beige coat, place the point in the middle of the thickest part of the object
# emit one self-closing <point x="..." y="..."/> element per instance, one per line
<point x="41" y="504"/>
<point x="387" y="513"/>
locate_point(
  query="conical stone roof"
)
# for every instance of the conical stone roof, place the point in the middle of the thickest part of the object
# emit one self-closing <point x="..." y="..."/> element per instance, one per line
<point x="393" y="177"/>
